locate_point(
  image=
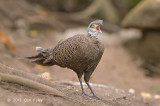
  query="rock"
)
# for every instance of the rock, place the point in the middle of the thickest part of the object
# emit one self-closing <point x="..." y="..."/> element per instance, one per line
<point x="145" y="15"/>
<point x="148" y="49"/>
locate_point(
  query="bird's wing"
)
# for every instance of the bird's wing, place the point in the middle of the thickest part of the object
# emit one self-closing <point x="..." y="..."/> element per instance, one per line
<point x="64" y="52"/>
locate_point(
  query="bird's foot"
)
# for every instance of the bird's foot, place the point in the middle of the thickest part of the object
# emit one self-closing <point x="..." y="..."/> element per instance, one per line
<point x="84" y="93"/>
<point x="96" y="97"/>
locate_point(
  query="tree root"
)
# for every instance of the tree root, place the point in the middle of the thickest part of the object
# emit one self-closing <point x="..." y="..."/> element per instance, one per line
<point x="102" y="6"/>
<point x="10" y="75"/>
<point x="27" y="79"/>
<point x="29" y="83"/>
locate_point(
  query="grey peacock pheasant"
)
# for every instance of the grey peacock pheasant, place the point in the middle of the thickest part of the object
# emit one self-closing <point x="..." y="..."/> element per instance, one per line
<point x="81" y="53"/>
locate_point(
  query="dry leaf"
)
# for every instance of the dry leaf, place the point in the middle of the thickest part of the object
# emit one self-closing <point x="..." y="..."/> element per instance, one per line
<point x="33" y="33"/>
<point x="41" y="67"/>
<point x="6" y="41"/>
<point x="49" y="31"/>
<point x="43" y="13"/>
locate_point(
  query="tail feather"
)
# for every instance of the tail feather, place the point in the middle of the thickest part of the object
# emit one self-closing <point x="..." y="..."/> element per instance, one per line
<point x="38" y="61"/>
<point x="39" y="49"/>
<point x="34" y="57"/>
<point x="42" y="57"/>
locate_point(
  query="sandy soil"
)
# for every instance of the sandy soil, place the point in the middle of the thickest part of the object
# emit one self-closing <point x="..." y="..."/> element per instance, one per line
<point x="118" y="71"/>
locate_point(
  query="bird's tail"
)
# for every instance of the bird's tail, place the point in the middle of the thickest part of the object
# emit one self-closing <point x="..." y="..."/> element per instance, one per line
<point x="43" y="56"/>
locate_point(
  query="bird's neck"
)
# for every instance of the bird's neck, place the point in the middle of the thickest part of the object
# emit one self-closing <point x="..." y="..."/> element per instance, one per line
<point x="92" y="34"/>
<point x="93" y="37"/>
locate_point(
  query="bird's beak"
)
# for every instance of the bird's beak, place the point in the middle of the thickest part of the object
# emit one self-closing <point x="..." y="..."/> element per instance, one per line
<point x="97" y="27"/>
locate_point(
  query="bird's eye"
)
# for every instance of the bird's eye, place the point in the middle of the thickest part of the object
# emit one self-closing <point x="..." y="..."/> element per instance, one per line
<point x="93" y="25"/>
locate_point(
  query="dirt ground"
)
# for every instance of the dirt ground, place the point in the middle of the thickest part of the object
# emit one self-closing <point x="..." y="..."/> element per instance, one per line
<point x="117" y="72"/>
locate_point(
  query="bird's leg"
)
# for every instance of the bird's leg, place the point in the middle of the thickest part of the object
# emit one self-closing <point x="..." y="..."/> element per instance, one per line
<point x="80" y="80"/>
<point x="87" y="75"/>
<point x="94" y="95"/>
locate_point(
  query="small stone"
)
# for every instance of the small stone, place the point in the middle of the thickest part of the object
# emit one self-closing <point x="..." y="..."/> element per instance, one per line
<point x="46" y="75"/>
<point x="146" y="95"/>
<point x="117" y="90"/>
<point x="132" y="91"/>
<point x="156" y="96"/>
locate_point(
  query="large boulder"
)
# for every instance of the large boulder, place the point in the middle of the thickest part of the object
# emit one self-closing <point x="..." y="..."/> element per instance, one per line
<point x="148" y="49"/>
<point x="145" y="15"/>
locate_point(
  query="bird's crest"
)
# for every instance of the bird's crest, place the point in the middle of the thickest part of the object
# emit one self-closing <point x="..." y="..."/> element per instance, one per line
<point x="95" y="22"/>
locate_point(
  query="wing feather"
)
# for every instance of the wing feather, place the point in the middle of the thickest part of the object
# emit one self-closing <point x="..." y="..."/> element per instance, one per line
<point x="66" y="49"/>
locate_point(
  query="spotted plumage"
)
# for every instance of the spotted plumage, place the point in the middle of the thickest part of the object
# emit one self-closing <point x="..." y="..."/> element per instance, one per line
<point x="81" y="53"/>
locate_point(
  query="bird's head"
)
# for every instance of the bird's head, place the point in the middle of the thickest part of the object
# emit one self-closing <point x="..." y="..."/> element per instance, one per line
<point x="94" y="27"/>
